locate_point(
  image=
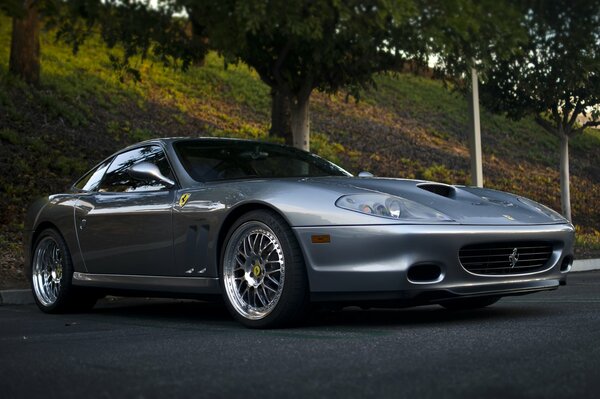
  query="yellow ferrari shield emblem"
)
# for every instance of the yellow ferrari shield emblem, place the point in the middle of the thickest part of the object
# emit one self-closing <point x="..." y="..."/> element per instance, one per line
<point x="256" y="270"/>
<point x="183" y="199"/>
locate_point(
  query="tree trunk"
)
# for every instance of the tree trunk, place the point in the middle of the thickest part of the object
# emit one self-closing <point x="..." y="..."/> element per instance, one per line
<point x="565" y="195"/>
<point x="281" y="116"/>
<point x="25" y="45"/>
<point x="199" y="42"/>
<point x="300" y="122"/>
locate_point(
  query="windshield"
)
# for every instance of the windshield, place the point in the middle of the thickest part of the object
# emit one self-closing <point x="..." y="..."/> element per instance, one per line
<point x="207" y="160"/>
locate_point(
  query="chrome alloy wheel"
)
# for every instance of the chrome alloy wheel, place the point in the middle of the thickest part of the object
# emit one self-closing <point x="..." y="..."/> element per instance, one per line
<point x="48" y="266"/>
<point x="253" y="270"/>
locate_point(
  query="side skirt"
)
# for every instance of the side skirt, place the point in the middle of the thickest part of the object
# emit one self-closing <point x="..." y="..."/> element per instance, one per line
<point x="192" y="285"/>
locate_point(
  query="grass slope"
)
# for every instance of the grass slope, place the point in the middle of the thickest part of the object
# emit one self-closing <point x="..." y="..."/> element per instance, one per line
<point x="409" y="127"/>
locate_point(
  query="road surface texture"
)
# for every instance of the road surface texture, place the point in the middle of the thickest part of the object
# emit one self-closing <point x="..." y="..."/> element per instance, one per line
<point x="541" y="345"/>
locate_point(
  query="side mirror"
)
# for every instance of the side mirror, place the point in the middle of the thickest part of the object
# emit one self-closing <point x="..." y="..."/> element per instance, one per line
<point x="365" y="174"/>
<point x="149" y="171"/>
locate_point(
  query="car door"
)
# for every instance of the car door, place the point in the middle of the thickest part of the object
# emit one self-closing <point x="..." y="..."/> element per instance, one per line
<point x="125" y="226"/>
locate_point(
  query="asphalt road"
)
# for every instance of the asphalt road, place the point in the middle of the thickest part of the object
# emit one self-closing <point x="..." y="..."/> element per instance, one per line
<point x="541" y="345"/>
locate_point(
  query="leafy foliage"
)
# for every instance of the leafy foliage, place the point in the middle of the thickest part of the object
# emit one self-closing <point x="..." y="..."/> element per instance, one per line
<point x="556" y="75"/>
<point x="138" y="27"/>
<point x="462" y="34"/>
<point x="298" y="46"/>
<point x="294" y="45"/>
<point x="12" y="7"/>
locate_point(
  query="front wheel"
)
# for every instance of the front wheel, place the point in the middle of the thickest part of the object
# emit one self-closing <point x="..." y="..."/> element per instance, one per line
<point x="51" y="275"/>
<point x="262" y="272"/>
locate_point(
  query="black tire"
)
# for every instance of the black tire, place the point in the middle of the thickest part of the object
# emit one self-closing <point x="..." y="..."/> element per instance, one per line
<point x="470" y="303"/>
<point x="292" y="302"/>
<point x="66" y="297"/>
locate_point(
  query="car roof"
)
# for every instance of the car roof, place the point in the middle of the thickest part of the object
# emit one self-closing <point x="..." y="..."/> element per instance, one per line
<point x="170" y="140"/>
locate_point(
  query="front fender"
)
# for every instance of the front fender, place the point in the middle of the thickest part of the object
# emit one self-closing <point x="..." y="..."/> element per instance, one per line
<point x="55" y="211"/>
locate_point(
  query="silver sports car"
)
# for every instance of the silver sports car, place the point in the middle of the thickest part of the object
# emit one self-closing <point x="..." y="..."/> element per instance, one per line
<point x="273" y="229"/>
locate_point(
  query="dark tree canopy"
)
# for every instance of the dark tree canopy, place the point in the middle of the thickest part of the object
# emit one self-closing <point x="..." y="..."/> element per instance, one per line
<point x="298" y="44"/>
<point x="556" y="76"/>
<point x="136" y="26"/>
<point x="465" y="34"/>
<point x="12" y="8"/>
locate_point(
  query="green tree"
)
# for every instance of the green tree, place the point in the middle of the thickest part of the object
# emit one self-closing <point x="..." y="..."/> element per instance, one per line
<point x="465" y="34"/>
<point x="296" y="46"/>
<point x="556" y="76"/>
<point x="140" y="27"/>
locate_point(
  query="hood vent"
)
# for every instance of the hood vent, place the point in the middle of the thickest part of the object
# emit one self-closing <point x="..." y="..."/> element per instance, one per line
<point x="440" y="189"/>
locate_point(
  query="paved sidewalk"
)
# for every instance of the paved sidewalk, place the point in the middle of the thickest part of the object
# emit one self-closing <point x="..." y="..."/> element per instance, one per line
<point x="25" y="297"/>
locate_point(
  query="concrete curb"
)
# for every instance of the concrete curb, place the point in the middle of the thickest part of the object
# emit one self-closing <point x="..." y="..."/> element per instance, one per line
<point x="585" y="265"/>
<point x="16" y="297"/>
<point x="25" y="297"/>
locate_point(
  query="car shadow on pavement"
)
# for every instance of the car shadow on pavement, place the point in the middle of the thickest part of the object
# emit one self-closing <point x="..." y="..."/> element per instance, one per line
<point x="427" y="315"/>
<point x="215" y="313"/>
<point x="164" y="310"/>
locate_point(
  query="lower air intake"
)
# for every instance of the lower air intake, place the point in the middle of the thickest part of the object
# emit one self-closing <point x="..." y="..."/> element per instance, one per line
<point x="506" y="258"/>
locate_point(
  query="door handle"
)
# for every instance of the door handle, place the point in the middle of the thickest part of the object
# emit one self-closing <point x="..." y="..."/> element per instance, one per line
<point x="82" y="224"/>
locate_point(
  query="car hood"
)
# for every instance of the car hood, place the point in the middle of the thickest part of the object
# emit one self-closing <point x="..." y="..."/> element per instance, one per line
<point x="465" y="205"/>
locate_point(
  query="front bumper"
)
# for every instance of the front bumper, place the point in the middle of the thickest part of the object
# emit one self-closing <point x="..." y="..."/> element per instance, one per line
<point x="372" y="262"/>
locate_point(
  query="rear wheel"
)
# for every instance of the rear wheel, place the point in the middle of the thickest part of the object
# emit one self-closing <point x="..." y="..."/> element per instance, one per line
<point x="469" y="303"/>
<point x="262" y="272"/>
<point x="51" y="276"/>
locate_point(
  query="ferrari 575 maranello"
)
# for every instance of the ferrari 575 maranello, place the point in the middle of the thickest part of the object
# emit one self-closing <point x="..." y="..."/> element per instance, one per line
<point x="273" y="229"/>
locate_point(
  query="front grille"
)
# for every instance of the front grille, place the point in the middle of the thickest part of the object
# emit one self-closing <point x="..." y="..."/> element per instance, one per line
<point x="505" y="258"/>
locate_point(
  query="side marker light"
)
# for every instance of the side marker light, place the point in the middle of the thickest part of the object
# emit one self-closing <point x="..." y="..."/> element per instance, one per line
<point x="321" y="239"/>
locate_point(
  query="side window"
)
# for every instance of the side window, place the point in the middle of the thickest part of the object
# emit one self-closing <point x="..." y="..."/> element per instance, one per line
<point x="91" y="180"/>
<point x="117" y="178"/>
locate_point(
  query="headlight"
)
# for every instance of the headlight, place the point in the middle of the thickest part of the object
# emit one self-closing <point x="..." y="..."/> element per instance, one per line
<point x="388" y="206"/>
<point x="552" y="214"/>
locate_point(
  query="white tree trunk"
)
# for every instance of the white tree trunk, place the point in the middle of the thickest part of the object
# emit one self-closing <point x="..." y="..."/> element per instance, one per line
<point x="475" y="136"/>
<point x="565" y="195"/>
<point x="300" y="123"/>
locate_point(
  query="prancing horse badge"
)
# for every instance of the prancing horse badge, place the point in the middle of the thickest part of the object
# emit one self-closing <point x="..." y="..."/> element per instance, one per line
<point x="183" y="199"/>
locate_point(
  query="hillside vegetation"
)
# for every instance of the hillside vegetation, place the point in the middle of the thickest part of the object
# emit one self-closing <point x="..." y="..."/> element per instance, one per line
<point x="410" y="127"/>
